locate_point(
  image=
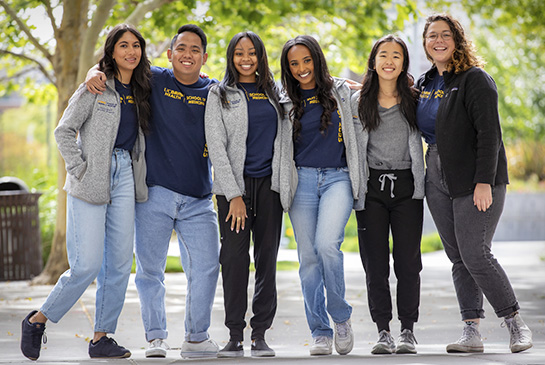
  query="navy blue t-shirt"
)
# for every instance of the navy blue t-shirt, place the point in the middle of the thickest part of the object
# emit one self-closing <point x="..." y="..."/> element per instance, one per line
<point x="176" y="152"/>
<point x="428" y="103"/>
<point x="312" y="148"/>
<point x="128" y="124"/>
<point x="262" y="124"/>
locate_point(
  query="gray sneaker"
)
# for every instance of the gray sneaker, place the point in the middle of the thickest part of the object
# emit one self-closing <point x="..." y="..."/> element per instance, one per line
<point x="206" y="348"/>
<point x="157" y="348"/>
<point x="322" y="346"/>
<point x="385" y="344"/>
<point x="470" y="340"/>
<point x="344" y="337"/>
<point x="406" y="342"/>
<point x="521" y="336"/>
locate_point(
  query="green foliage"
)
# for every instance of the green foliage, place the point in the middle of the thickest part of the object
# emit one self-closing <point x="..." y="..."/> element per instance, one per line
<point x="526" y="160"/>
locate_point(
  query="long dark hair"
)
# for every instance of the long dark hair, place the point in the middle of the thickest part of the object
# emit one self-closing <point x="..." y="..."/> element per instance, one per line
<point x="324" y="83"/>
<point x="264" y="76"/>
<point x="368" y="103"/>
<point x="141" y="76"/>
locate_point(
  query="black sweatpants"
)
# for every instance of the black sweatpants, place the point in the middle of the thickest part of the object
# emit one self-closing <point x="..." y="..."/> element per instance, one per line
<point x="264" y="226"/>
<point x="389" y="206"/>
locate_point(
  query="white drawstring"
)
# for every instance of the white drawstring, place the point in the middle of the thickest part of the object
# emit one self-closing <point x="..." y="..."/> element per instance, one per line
<point x="382" y="180"/>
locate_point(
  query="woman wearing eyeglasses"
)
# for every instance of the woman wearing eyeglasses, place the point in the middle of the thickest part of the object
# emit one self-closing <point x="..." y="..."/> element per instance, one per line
<point x="466" y="177"/>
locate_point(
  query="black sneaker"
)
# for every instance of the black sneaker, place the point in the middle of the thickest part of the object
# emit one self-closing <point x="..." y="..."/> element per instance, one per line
<point x="232" y="349"/>
<point x="106" y="347"/>
<point x="31" y="337"/>
<point x="261" y="349"/>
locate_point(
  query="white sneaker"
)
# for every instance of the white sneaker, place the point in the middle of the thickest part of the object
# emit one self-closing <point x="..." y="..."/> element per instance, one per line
<point x="206" y="348"/>
<point x="406" y="342"/>
<point x="344" y="337"/>
<point x="322" y="346"/>
<point x="385" y="344"/>
<point x="521" y="336"/>
<point x="470" y="340"/>
<point x="157" y="348"/>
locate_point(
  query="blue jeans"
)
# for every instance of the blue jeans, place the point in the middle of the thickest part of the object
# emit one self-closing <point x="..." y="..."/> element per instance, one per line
<point x="467" y="235"/>
<point x="195" y="223"/>
<point x="99" y="241"/>
<point x="319" y="213"/>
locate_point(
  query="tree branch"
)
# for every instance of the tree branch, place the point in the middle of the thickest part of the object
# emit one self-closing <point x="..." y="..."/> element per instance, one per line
<point x="49" y="10"/>
<point x="26" y="30"/>
<point x="30" y="59"/>
<point x="87" y="59"/>
<point x="143" y="8"/>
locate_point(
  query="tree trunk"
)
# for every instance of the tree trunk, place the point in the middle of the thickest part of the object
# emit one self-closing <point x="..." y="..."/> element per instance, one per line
<point x="65" y="64"/>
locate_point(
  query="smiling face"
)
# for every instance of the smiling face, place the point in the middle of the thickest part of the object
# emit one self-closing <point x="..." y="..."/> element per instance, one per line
<point x="187" y="57"/>
<point x="440" y="44"/>
<point x="245" y="60"/>
<point x="127" y="54"/>
<point x="389" y="61"/>
<point x="302" y="66"/>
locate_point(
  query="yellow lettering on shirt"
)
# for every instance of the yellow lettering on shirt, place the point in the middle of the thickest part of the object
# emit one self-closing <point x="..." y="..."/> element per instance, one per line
<point x="205" y="153"/>
<point x="340" y="129"/>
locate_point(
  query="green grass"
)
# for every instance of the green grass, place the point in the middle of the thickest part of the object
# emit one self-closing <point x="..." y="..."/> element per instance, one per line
<point x="174" y="265"/>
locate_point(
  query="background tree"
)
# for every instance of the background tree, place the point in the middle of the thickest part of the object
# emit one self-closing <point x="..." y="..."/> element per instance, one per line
<point x="345" y="29"/>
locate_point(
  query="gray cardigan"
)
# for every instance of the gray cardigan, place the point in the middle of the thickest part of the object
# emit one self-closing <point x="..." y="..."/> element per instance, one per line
<point x="86" y="136"/>
<point x="226" y="132"/>
<point x="415" y="152"/>
<point x="288" y="177"/>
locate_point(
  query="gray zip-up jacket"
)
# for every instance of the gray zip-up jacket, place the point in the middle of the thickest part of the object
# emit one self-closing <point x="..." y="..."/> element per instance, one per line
<point x="226" y="132"/>
<point x="288" y="177"/>
<point x="415" y="152"/>
<point x="86" y="136"/>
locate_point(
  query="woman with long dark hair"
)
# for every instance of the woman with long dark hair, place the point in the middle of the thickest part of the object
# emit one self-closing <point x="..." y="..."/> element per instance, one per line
<point x="242" y="124"/>
<point x="325" y="181"/>
<point x="466" y="177"/>
<point x="391" y="149"/>
<point x="101" y="140"/>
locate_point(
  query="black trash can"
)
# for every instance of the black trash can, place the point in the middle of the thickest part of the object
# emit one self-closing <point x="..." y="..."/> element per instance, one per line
<point x="20" y="238"/>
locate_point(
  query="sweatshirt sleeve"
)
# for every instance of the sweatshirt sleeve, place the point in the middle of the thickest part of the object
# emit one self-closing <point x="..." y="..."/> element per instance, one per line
<point x="79" y="110"/>
<point x="216" y="140"/>
<point x="482" y="106"/>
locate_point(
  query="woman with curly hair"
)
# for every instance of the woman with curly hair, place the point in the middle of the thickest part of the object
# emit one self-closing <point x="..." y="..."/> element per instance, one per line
<point x="101" y="140"/>
<point x="323" y="150"/>
<point x="466" y="177"/>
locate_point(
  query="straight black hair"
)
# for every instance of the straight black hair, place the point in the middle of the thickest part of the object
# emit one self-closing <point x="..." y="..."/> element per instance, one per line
<point x="264" y="76"/>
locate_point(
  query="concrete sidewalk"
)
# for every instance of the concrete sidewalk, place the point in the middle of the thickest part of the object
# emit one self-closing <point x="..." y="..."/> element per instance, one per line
<point x="439" y="318"/>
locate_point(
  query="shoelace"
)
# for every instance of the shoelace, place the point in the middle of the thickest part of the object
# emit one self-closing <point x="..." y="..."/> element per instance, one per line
<point x="342" y="329"/>
<point x="408" y="336"/>
<point x="469" y="331"/>
<point x="385" y="337"/>
<point x="321" y="340"/>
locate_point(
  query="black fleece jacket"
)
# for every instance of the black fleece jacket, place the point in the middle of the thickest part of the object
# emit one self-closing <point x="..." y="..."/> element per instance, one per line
<point x="468" y="131"/>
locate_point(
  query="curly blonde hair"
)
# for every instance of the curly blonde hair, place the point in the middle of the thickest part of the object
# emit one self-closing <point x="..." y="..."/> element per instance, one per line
<point x="464" y="55"/>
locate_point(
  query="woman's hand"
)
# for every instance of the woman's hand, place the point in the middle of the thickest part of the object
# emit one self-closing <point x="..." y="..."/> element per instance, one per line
<point x="237" y="213"/>
<point x="482" y="196"/>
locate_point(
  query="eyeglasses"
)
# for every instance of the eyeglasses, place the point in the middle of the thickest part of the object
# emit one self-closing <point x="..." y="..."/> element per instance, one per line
<point x="432" y="37"/>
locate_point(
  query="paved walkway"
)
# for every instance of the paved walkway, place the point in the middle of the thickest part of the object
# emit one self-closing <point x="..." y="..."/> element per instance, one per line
<point x="439" y="319"/>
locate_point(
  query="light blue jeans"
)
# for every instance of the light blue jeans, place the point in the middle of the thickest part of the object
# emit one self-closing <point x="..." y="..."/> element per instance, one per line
<point x="99" y="241"/>
<point x="319" y="213"/>
<point x="196" y="224"/>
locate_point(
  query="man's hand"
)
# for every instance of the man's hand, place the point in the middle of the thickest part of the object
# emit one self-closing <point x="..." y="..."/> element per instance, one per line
<point x="95" y="81"/>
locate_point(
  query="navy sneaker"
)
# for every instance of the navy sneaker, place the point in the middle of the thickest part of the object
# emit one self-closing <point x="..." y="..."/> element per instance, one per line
<point x="106" y="347"/>
<point x="31" y="337"/>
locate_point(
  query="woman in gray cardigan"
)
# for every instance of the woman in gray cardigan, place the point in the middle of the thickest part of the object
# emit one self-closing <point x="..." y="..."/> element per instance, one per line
<point x="324" y="184"/>
<point x="95" y="137"/>
<point x="391" y="150"/>
<point x="242" y="125"/>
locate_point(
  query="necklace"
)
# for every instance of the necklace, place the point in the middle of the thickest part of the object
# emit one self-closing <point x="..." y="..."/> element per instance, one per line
<point x="245" y="92"/>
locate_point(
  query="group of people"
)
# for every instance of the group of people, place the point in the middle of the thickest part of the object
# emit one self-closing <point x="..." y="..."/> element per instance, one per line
<point x="139" y="142"/>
